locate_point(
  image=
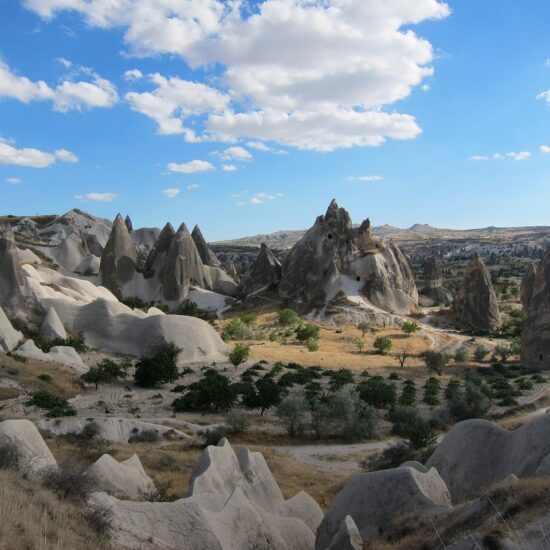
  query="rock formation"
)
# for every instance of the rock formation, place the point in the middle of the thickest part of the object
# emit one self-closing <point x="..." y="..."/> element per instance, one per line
<point x="129" y="224"/>
<point x="535" y="351"/>
<point x="475" y="454"/>
<point x="229" y="267"/>
<point x="64" y="355"/>
<point x="378" y="499"/>
<point x="233" y="502"/>
<point x="11" y="277"/>
<point x="88" y="266"/>
<point x="347" y="537"/>
<point x="126" y="480"/>
<point x="527" y="287"/>
<point x="433" y="283"/>
<point x="52" y="327"/>
<point x="9" y="337"/>
<point x="264" y="273"/>
<point x="33" y="453"/>
<point x="476" y="305"/>
<point x="119" y="259"/>
<point x="334" y="260"/>
<point x="207" y="256"/>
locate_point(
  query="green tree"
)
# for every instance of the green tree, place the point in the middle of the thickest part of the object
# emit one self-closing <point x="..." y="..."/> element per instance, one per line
<point x="435" y="361"/>
<point x="409" y="327"/>
<point x="239" y="354"/>
<point x="291" y="411"/>
<point x="161" y="368"/>
<point x="288" y="317"/>
<point x="364" y="328"/>
<point x="462" y="355"/>
<point x="360" y="344"/>
<point x="213" y="391"/>
<point x="382" y="344"/>
<point x="305" y="332"/>
<point x="480" y="353"/>
<point x="504" y="351"/>
<point x="377" y="392"/>
<point x="106" y="372"/>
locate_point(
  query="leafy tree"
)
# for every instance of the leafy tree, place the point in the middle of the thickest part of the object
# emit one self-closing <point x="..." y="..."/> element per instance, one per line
<point x="364" y="328"/>
<point x="504" y="350"/>
<point x="462" y="354"/>
<point x="435" y="360"/>
<point x="107" y="371"/>
<point x="453" y="389"/>
<point x="235" y="329"/>
<point x="312" y="344"/>
<point x="339" y="378"/>
<point x="305" y="332"/>
<point x="402" y="356"/>
<point x="431" y="391"/>
<point x="291" y="411"/>
<point x="265" y="393"/>
<point x="480" y="353"/>
<point x="408" y="394"/>
<point x="239" y="354"/>
<point x="213" y="391"/>
<point x="159" y="369"/>
<point x="420" y="435"/>
<point x="469" y="403"/>
<point x="382" y="344"/>
<point x="288" y="317"/>
<point x="360" y="344"/>
<point x="377" y="392"/>
<point x="410" y="327"/>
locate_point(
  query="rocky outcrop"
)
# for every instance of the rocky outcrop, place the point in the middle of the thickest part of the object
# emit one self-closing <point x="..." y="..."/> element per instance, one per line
<point x="129" y="224"/>
<point x="33" y="453"/>
<point x="527" y="287"/>
<point x="347" y="537"/>
<point x="119" y="259"/>
<point x="375" y="501"/>
<point x="11" y="277"/>
<point x="229" y="267"/>
<point x="535" y="341"/>
<point x="334" y="260"/>
<point x="64" y="355"/>
<point x="475" y="454"/>
<point x="264" y="273"/>
<point x="433" y="283"/>
<point x="88" y="266"/>
<point x="476" y="305"/>
<point x="9" y="337"/>
<point x="233" y="502"/>
<point x="207" y="256"/>
<point x="125" y="480"/>
<point x="52" y="327"/>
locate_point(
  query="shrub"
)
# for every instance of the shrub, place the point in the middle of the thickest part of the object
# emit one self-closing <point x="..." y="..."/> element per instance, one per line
<point x="144" y="436"/>
<point x="45" y="377"/>
<point x="9" y="455"/>
<point x="312" y="344"/>
<point x="239" y="354"/>
<point x="212" y="392"/>
<point x="402" y="418"/>
<point x="431" y="391"/>
<point x="435" y="360"/>
<point x="410" y="327"/>
<point x="307" y="332"/>
<point x="524" y="384"/>
<point x="75" y="341"/>
<point x="107" y="371"/>
<point x="364" y="328"/>
<point x="469" y="403"/>
<point x="453" y="389"/>
<point x="288" y="317"/>
<point x="100" y="517"/>
<point x="382" y="344"/>
<point x="158" y="369"/>
<point x="339" y="378"/>
<point x="56" y="406"/>
<point x="462" y="355"/>
<point x="391" y="457"/>
<point x="420" y="435"/>
<point x="189" y="308"/>
<point x="359" y="344"/>
<point x="235" y="329"/>
<point x="237" y="421"/>
<point x="480" y="353"/>
<point x="248" y="319"/>
<point x="377" y="392"/>
<point x="504" y="351"/>
<point x="68" y="481"/>
<point x="291" y="411"/>
<point x="408" y="394"/>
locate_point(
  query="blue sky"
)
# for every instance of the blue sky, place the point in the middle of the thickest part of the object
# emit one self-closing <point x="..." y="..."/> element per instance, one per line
<point x="432" y="113"/>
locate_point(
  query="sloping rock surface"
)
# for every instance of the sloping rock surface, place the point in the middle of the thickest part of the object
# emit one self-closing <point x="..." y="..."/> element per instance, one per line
<point x="65" y="355"/>
<point x="207" y="256"/>
<point x="9" y="337"/>
<point x="52" y="327"/>
<point x="265" y="272"/>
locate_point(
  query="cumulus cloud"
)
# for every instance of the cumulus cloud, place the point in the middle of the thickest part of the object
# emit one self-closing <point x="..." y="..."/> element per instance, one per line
<point x="190" y="167"/>
<point x="97" y="197"/>
<point x="522" y="155"/>
<point x="133" y="74"/>
<point x="171" y="192"/>
<point x="544" y="149"/>
<point x="234" y="153"/>
<point x="229" y="168"/>
<point x="14" y="181"/>
<point x="281" y="64"/>
<point x="262" y="198"/>
<point x="67" y="96"/>
<point x="33" y="158"/>
<point x="261" y="146"/>
<point x="365" y="178"/>
<point x="545" y="96"/>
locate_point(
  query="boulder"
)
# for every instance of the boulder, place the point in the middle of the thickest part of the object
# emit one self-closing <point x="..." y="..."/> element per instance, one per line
<point x="27" y="256"/>
<point x="233" y="502"/>
<point x="535" y="341"/>
<point x="119" y="259"/>
<point x="52" y="327"/>
<point x="65" y="355"/>
<point x="34" y="455"/>
<point x="433" y="283"/>
<point x="9" y="337"/>
<point x="207" y="256"/>
<point x="126" y="480"/>
<point x="377" y="500"/>
<point x="264" y="273"/>
<point x="71" y="252"/>
<point x="334" y="260"/>
<point x="476" y="305"/>
<point x="347" y="537"/>
<point x="476" y="454"/>
<point x="88" y="266"/>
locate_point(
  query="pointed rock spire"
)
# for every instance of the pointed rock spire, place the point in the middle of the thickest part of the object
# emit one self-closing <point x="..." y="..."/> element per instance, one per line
<point x="207" y="256"/>
<point x="52" y="328"/>
<point x="265" y="272"/>
<point x="129" y="224"/>
<point x="12" y="280"/>
<point x="433" y="283"/>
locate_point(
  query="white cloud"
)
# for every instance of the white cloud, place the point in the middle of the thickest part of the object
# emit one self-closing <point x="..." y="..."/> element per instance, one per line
<point x="522" y="155"/>
<point x="68" y="95"/>
<point x="173" y="101"/>
<point x="425" y="87"/>
<point x="365" y="178"/>
<point x="544" y="149"/>
<point x="65" y="62"/>
<point x="171" y="192"/>
<point x="190" y="167"/>
<point x="98" y="197"/>
<point x="281" y="63"/>
<point x="262" y="198"/>
<point x="31" y="157"/>
<point x="66" y="156"/>
<point x="260" y="146"/>
<point x="133" y="74"/>
<point x="229" y="168"/>
<point x="13" y="181"/>
<point x="193" y="186"/>
<point x="234" y="153"/>
<point x="545" y="96"/>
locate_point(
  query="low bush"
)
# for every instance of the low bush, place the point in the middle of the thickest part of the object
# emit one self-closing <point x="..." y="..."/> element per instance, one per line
<point x="239" y="354"/>
<point x="144" y="436"/>
<point x="431" y="391"/>
<point x="237" y="421"/>
<point x="161" y="368"/>
<point x="377" y="392"/>
<point x="382" y="344"/>
<point x="56" y="406"/>
<point x="306" y="332"/>
<point x="288" y="317"/>
<point x="68" y="481"/>
<point x="9" y="455"/>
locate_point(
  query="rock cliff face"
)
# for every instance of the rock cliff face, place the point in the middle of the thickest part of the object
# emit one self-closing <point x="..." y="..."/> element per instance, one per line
<point x="333" y="260"/>
<point x="265" y="272"/>
<point x="207" y="256"/>
<point x="536" y="329"/>
<point x="433" y="283"/>
<point x="11" y="276"/>
<point x="119" y="259"/>
<point x="527" y="287"/>
<point x="476" y="306"/>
